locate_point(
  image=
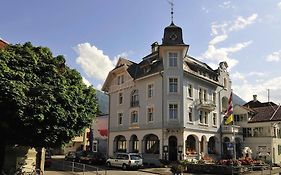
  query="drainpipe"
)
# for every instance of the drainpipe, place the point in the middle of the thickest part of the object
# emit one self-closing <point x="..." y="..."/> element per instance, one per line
<point x="219" y="92"/>
<point x="161" y="74"/>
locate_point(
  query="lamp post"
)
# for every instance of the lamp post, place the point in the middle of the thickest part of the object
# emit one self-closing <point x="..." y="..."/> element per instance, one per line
<point x="219" y="93"/>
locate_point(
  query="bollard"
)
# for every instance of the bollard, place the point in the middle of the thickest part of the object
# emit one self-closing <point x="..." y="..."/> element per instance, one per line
<point x="83" y="169"/>
<point x="72" y="168"/>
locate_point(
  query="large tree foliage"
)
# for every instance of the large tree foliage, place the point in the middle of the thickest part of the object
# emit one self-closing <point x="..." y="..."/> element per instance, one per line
<point x="43" y="103"/>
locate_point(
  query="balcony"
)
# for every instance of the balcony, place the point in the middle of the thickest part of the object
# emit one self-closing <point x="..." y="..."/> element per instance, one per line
<point x="135" y="103"/>
<point x="230" y="129"/>
<point x="207" y="105"/>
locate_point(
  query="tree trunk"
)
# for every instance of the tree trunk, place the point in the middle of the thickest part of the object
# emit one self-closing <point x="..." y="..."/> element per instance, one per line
<point x="38" y="157"/>
<point x="2" y="153"/>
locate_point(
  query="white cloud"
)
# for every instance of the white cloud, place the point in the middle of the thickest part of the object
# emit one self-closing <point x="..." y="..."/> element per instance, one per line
<point x="86" y="82"/>
<point x="204" y="9"/>
<point x="93" y="61"/>
<point x="223" y="54"/>
<point x="238" y="76"/>
<point x="229" y="26"/>
<point x="242" y="22"/>
<point x="218" y="39"/>
<point x="99" y="86"/>
<point x="226" y="5"/>
<point x="220" y="33"/>
<point x="259" y="74"/>
<point x="274" y="57"/>
<point x="246" y="90"/>
<point x="279" y="5"/>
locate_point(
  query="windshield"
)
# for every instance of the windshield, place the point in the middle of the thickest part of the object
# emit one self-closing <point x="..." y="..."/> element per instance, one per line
<point x="135" y="157"/>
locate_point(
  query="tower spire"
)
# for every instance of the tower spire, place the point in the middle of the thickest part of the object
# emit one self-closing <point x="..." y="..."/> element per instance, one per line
<point x="172" y="10"/>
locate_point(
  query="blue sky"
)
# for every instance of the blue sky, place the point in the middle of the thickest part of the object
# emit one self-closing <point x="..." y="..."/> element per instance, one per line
<point x="93" y="34"/>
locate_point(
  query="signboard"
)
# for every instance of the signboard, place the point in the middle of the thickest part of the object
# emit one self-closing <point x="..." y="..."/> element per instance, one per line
<point x="229" y="146"/>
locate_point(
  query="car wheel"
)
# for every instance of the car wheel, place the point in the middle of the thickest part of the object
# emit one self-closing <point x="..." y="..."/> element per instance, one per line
<point x="124" y="166"/>
<point x="108" y="164"/>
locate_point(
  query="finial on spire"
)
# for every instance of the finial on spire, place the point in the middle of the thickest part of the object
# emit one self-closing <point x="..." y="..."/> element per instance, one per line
<point x="172" y="10"/>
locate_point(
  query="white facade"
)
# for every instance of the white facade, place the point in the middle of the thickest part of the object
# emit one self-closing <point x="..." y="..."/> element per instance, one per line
<point x="169" y="106"/>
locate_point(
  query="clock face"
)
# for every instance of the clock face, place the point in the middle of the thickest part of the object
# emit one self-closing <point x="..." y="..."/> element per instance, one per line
<point x="173" y="36"/>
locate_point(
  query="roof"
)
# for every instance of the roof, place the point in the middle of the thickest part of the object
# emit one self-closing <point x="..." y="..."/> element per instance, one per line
<point x="256" y="104"/>
<point x="266" y="113"/>
<point x="3" y="43"/>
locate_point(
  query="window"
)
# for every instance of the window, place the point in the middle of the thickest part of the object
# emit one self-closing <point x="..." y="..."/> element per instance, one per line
<point x="173" y="111"/>
<point x="150" y="90"/>
<point x="150" y="114"/>
<point x="134" y="117"/>
<point x="225" y="83"/>
<point x="203" y="117"/>
<point x="95" y="146"/>
<point x="200" y="116"/>
<point x="120" y="79"/>
<point x="173" y="60"/>
<point x="190" y="118"/>
<point x="189" y="90"/>
<point x="279" y="149"/>
<point x="200" y="94"/>
<point x="258" y="132"/>
<point x="173" y="85"/>
<point x="214" y="98"/>
<point x="214" y="119"/>
<point x="120" y="98"/>
<point x="134" y="98"/>
<point x="120" y="118"/>
<point x="205" y="94"/>
<point x="152" y="144"/>
<point x="247" y="132"/>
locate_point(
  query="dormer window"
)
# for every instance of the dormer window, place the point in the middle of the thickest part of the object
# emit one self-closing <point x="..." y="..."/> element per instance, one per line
<point x="173" y="59"/>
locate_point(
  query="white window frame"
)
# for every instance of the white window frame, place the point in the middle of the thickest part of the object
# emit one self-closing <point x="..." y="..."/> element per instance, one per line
<point x="118" y="118"/>
<point x="214" y="97"/>
<point x="131" y="117"/>
<point x="190" y="112"/>
<point x="216" y="120"/>
<point x="177" y="111"/>
<point x="175" y="61"/>
<point x="203" y="92"/>
<point x="177" y="88"/>
<point x="150" y="89"/>
<point x="192" y="91"/>
<point x="147" y="112"/>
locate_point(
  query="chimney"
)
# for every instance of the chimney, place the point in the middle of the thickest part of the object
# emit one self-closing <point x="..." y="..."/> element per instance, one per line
<point x="154" y="47"/>
<point x="255" y="98"/>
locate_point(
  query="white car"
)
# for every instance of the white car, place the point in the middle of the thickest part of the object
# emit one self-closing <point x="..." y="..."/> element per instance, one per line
<point x="125" y="161"/>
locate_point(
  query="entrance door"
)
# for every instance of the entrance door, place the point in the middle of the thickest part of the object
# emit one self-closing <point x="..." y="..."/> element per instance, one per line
<point x="173" y="151"/>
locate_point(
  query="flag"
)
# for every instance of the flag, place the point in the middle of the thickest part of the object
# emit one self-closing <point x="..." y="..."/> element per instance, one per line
<point x="229" y="112"/>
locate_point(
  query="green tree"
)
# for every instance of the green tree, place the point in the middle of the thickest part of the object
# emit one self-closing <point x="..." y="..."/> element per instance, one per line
<point x="43" y="103"/>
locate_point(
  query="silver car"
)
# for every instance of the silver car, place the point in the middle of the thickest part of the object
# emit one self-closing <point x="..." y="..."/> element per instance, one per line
<point x="125" y="161"/>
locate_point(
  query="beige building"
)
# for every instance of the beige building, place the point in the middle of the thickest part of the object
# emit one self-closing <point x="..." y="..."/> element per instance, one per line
<point x="168" y="106"/>
<point x="260" y="129"/>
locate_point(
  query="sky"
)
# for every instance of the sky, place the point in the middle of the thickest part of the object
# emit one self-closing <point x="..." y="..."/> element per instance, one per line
<point x="93" y="34"/>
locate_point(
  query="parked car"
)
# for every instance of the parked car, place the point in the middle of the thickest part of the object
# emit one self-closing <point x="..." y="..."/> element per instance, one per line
<point x="70" y="156"/>
<point x="92" y="158"/>
<point x="125" y="161"/>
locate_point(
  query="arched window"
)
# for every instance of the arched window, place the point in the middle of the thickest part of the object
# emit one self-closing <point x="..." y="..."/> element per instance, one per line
<point x="212" y="146"/>
<point x="190" y="145"/>
<point x="134" y="98"/>
<point x="134" y="144"/>
<point x="152" y="144"/>
<point x="121" y="146"/>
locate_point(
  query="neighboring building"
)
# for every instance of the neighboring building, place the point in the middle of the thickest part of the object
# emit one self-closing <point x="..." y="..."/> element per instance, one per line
<point x="260" y="127"/>
<point x="168" y="106"/>
<point x="99" y="130"/>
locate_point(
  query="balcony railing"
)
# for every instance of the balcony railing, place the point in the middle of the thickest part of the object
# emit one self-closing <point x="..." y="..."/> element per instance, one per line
<point x="230" y="128"/>
<point x="205" y="104"/>
<point x="135" y="103"/>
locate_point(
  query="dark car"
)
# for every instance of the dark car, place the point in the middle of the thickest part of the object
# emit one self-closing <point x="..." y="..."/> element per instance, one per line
<point x="93" y="158"/>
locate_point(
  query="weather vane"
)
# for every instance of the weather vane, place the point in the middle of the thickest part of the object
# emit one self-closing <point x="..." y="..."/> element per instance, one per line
<point x="172" y="10"/>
